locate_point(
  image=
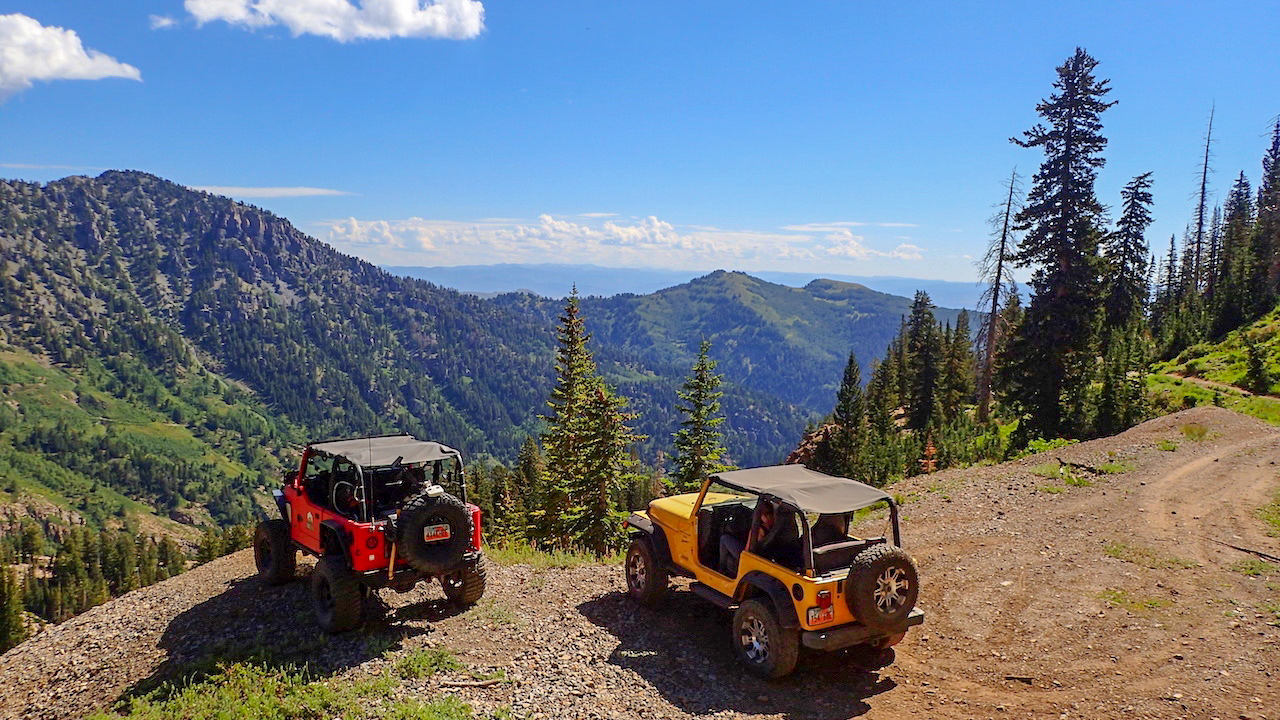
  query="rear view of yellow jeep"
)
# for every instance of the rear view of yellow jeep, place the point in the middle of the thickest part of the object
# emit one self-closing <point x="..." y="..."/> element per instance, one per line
<point x="773" y="546"/>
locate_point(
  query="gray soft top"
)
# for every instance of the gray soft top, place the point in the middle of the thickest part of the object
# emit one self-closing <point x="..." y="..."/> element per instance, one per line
<point x="384" y="451"/>
<point x="806" y="489"/>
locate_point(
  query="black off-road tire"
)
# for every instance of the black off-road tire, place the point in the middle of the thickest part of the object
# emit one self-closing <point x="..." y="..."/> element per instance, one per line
<point x="883" y="586"/>
<point x="761" y="643"/>
<point x="336" y="595"/>
<point x="465" y="587"/>
<point x="646" y="577"/>
<point x="436" y="558"/>
<point x="274" y="553"/>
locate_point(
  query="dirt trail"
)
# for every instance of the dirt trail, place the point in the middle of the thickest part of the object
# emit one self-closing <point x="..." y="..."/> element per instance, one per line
<point x="1044" y="600"/>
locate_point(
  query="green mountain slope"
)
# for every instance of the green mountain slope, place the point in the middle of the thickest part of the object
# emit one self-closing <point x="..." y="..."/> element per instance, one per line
<point x="1218" y="372"/>
<point x="788" y="343"/>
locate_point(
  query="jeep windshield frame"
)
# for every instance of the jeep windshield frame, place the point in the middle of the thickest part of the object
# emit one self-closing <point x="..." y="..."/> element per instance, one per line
<point x="370" y="454"/>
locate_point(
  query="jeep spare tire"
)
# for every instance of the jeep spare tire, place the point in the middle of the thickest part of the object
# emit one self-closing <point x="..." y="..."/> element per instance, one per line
<point x="434" y="533"/>
<point x="883" y="586"/>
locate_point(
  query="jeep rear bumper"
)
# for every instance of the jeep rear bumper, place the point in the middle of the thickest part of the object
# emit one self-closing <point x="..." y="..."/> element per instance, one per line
<point x="850" y="635"/>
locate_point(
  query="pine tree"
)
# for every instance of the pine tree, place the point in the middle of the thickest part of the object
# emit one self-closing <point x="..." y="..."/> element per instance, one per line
<point x="1196" y="247"/>
<point x="994" y="272"/>
<point x="1062" y="220"/>
<point x="1266" y="231"/>
<point x="12" y="628"/>
<point x="593" y="523"/>
<point x="848" y="437"/>
<point x="699" y="450"/>
<point x="923" y="363"/>
<point x="1256" y="377"/>
<point x="1126" y="253"/>
<point x="576" y="382"/>
<point x="957" y="370"/>
<point x="531" y="477"/>
<point x="1238" y="271"/>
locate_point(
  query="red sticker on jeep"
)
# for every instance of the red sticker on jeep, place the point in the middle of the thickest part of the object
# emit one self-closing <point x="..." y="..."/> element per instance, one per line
<point x="436" y="533"/>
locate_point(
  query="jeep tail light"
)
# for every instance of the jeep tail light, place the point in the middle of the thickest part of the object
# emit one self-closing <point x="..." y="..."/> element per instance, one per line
<point x="371" y="542"/>
<point x="824" y="599"/>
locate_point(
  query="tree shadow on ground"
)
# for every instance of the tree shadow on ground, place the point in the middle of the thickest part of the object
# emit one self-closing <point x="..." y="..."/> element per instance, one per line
<point x="275" y="627"/>
<point x="682" y="648"/>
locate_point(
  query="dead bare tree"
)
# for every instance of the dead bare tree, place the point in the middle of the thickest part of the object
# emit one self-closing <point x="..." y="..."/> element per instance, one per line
<point x="994" y="271"/>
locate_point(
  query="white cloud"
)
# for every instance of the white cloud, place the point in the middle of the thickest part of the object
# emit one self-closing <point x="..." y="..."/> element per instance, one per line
<point x="344" y="20"/>
<point x="30" y="51"/>
<point x="830" y="227"/>
<point x="160" y="22"/>
<point x="597" y="215"/>
<point x="268" y="192"/>
<point x="647" y="242"/>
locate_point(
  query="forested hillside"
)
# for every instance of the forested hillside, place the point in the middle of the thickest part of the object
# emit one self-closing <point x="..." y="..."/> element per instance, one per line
<point x="192" y="339"/>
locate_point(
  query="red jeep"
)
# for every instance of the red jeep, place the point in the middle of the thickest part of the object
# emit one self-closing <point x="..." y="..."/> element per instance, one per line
<point x="378" y="512"/>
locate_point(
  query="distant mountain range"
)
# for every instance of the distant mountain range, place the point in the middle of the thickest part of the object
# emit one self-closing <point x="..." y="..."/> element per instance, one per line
<point x="162" y="347"/>
<point x="555" y="281"/>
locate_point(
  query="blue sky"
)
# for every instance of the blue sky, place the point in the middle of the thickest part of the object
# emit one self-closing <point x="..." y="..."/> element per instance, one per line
<point x="818" y="137"/>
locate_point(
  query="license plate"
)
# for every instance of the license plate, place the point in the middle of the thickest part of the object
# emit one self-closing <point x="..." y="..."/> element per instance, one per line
<point x="436" y="533"/>
<point x="817" y="615"/>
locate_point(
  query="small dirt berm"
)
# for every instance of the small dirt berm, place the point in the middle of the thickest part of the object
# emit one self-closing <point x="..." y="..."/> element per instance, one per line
<point x="378" y="512"/>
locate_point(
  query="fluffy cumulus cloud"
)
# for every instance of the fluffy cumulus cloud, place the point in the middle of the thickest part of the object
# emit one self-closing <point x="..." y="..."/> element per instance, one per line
<point x="160" y="22"/>
<point x="603" y="239"/>
<point x="30" y="51"/>
<point x="346" y="20"/>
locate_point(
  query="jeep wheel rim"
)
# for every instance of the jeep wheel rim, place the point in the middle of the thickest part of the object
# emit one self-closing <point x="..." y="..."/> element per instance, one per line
<point x="755" y="640"/>
<point x="636" y="571"/>
<point x="891" y="590"/>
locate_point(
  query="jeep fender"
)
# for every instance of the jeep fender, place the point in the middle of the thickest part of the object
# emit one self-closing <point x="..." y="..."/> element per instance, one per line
<point x="334" y="540"/>
<point x="758" y="583"/>
<point x="638" y="525"/>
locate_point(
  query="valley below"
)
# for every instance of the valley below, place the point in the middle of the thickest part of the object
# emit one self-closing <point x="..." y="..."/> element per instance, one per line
<point x="1104" y="592"/>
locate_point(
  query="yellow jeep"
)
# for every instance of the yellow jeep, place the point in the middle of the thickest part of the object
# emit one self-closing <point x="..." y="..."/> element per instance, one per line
<point x="772" y="545"/>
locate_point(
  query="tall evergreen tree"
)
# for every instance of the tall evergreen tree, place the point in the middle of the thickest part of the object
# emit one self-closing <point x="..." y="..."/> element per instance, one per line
<point x="699" y="450"/>
<point x="848" y="438"/>
<point x="1062" y="221"/>
<point x="923" y="351"/>
<point x="576" y="382"/>
<point x="1266" y="231"/>
<point x="1237" y="266"/>
<point x="593" y="523"/>
<point x="1126" y="253"/>
<point x="957" y="369"/>
<point x="12" y="629"/>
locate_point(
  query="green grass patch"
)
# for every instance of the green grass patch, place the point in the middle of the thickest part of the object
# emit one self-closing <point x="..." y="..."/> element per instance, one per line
<point x="1125" y="601"/>
<point x="490" y="611"/>
<point x="1195" y="432"/>
<point x="1270" y="514"/>
<point x="425" y="662"/>
<point x="251" y="691"/>
<point x="1273" y="607"/>
<point x="1115" y="468"/>
<point x="1052" y="489"/>
<point x="1168" y="394"/>
<point x="1254" y="567"/>
<point x="520" y="554"/>
<point x="1146" y="557"/>
<point x="1168" y="445"/>
<point x="1065" y="473"/>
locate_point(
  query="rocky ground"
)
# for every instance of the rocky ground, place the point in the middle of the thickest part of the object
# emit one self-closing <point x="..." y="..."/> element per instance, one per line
<point x="1044" y="599"/>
